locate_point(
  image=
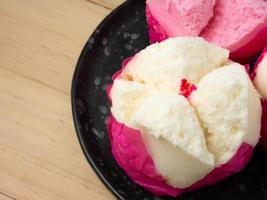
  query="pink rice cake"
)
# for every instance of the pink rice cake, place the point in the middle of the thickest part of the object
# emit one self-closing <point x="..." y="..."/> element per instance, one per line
<point x="127" y="145"/>
<point x="179" y="17"/>
<point x="239" y="26"/>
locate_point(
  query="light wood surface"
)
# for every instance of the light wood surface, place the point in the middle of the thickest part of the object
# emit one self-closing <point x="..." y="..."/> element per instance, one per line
<point x="40" y="41"/>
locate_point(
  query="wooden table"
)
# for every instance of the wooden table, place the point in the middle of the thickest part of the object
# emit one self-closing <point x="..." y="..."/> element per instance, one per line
<point x="40" y="41"/>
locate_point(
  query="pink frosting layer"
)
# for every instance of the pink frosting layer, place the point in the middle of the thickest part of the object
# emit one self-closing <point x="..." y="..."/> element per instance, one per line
<point x="130" y="152"/>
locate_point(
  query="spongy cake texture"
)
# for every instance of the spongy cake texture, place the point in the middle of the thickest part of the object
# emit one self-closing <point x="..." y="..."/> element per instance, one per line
<point x="235" y="23"/>
<point x="180" y="133"/>
<point x="172" y="60"/>
<point x="176" y="122"/>
<point x="222" y="101"/>
<point x="189" y="17"/>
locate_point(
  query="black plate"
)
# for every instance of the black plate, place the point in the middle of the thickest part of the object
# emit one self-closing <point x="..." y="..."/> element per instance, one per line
<point x="120" y="35"/>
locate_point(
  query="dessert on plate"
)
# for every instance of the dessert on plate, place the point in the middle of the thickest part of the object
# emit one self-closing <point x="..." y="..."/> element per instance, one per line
<point x="237" y="25"/>
<point x="184" y="116"/>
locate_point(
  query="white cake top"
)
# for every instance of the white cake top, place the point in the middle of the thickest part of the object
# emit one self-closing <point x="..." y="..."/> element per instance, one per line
<point x="162" y="65"/>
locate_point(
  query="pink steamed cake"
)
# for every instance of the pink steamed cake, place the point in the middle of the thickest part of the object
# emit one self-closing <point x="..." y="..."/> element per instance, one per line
<point x="130" y="152"/>
<point x="182" y="18"/>
<point x="237" y="25"/>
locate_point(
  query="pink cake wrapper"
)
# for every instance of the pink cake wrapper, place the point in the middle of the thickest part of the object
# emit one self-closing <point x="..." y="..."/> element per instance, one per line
<point x="131" y="154"/>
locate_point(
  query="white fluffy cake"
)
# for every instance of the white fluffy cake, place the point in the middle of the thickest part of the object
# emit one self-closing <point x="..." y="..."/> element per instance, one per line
<point x="187" y="137"/>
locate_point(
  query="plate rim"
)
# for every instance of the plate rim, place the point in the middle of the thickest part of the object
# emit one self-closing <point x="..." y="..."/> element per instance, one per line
<point x="73" y="95"/>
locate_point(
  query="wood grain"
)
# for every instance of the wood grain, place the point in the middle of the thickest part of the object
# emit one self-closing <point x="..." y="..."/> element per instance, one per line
<point x="5" y="197"/>
<point x="40" y="41"/>
<point x="107" y="3"/>
<point x="45" y="42"/>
